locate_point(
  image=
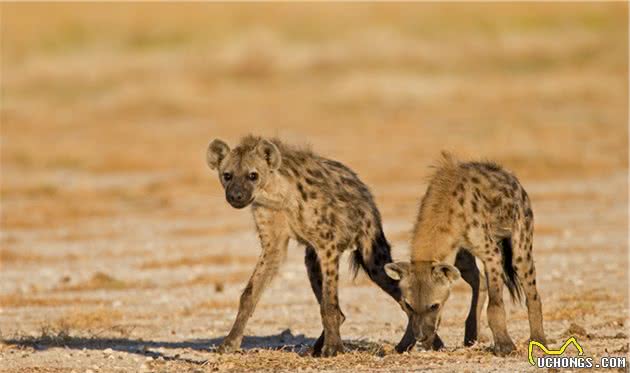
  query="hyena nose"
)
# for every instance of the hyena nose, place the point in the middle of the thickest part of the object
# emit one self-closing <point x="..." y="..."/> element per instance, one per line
<point x="237" y="196"/>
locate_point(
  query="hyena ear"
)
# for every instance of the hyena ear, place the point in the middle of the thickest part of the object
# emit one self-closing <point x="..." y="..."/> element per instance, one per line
<point x="446" y="271"/>
<point x="397" y="270"/>
<point x="217" y="151"/>
<point x="270" y="152"/>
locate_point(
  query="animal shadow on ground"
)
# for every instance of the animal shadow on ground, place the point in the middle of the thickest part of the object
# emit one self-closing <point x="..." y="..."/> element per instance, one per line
<point x="284" y="341"/>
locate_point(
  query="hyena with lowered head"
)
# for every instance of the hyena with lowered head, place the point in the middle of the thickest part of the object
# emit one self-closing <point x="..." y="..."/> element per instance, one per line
<point x="322" y="204"/>
<point x="483" y="208"/>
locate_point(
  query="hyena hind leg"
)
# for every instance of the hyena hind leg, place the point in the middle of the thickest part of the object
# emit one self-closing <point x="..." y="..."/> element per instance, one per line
<point x="331" y="314"/>
<point x="314" y="270"/>
<point x="523" y="263"/>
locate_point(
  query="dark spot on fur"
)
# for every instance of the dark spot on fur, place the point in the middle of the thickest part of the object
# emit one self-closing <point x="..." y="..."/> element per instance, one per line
<point x="475" y="180"/>
<point x="333" y="219"/>
<point x="248" y="290"/>
<point x="302" y="191"/>
<point x="461" y="201"/>
<point x="529" y="213"/>
<point x="315" y="173"/>
<point x="284" y="172"/>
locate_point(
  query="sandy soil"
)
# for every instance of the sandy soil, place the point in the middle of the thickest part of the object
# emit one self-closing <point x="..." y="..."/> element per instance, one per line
<point x="119" y="253"/>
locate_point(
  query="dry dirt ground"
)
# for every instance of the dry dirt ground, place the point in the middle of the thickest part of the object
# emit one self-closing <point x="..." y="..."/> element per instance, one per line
<point x="119" y="253"/>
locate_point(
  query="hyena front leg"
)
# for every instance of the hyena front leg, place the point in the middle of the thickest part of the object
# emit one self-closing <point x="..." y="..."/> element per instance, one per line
<point x="274" y="238"/>
<point x="465" y="262"/>
<point x="314" y="270"/>
<point x="503" y="344"/>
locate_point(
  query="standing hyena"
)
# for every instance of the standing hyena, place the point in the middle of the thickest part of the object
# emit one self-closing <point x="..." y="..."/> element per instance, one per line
<point x="322" y="204"/>
<point x="483" y="208"/>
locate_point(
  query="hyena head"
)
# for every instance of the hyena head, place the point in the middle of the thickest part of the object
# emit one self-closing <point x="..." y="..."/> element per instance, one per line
<point x="425" y="287"/>
<point x="244" y="170"/>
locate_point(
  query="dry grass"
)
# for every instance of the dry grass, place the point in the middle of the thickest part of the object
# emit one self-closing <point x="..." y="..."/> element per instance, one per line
<point x="20" y="300"/>
<point x="8" y="256"/>
<point x="332" y="78"/>
<point x="98" y="319"/>
<point x="571" y="311"/>
<point x="218" y="280"/>
<point x="216" y="260"/>
<point x="103" y="281"/>
<point x="209" y="306"/>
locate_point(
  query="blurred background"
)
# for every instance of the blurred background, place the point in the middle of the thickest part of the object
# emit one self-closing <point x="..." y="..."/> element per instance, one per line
<point x="107" y="109"/>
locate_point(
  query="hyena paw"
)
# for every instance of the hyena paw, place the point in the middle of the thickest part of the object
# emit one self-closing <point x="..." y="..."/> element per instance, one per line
<point x="332" y="349"/>
<point x="228" y="346"/>
<point x="504" y="348"/>
<point x="317" y="347"/>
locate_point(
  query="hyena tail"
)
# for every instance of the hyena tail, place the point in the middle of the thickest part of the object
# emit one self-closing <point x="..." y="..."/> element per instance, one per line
<point x="510" y="276"/>
<point x="370" y="258"/>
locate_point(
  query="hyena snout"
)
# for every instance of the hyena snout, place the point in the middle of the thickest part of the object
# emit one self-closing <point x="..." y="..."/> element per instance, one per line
<point x="424" y="330"/>
<point x="238" y="197"/>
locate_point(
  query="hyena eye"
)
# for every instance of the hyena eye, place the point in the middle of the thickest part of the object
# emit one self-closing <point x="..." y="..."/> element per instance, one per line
<point x="434" y="307"/>
<point x="409" y="306"/>
<point x="253" y="176"/>
<point x="227" y="176"/>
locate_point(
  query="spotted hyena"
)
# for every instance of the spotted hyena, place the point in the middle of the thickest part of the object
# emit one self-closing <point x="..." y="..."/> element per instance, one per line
<point x="320" y="203"/>
<point x="483" y="208"/>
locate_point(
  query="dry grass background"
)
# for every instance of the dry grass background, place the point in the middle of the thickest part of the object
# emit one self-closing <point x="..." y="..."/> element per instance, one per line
<point x="116" y="241"/>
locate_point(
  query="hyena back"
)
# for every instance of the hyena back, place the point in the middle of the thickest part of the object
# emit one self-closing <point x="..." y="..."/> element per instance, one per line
<point x="483" y="208"/>
<point x="322" y="204"/>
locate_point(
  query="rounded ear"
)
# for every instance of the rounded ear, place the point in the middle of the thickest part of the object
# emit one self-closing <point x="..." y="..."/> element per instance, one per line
<point x="397" y="270"/>
<point x="446" y="271"/>
<point x="270" y="152"/>
<point x="217" y="151"/>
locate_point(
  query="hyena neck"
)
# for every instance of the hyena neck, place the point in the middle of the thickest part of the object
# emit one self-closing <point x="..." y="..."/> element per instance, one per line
<point x="430" y="244"/>
<point x="275" y="194"/>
